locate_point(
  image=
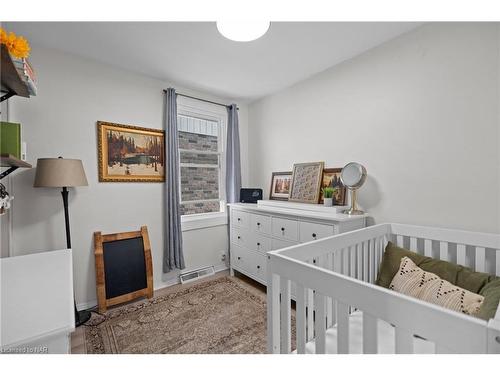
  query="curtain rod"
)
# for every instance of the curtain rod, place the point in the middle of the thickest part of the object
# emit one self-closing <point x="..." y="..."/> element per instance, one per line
<point x="203" y="100"/>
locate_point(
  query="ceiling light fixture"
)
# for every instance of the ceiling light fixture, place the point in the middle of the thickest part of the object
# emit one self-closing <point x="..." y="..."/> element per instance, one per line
<point x="243" y="31"/>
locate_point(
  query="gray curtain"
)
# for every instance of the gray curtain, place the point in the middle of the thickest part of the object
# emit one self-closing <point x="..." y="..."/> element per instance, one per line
<point x="173" y="256"/>
<point x="233" y="165"/>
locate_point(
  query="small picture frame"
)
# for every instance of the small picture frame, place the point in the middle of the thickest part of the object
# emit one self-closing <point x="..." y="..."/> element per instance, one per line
<point x="306" y="182"/>
<point x="280" y="186"/>
<point x="331" y="178"/>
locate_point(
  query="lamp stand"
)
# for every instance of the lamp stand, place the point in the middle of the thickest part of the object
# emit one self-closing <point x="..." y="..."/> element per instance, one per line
<point x="84" y="315"/>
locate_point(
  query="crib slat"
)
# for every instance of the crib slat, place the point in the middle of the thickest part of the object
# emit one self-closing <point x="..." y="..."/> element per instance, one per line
<point x="461" y="254"/>
<point x="404" y="341"/>
<point x="320" y="323"/>
<point x="428" y="248"/>
<point x="413" y="244"/>
<point x="286" y="314"/>
<point x="399" y="240"/>
<point x="480" y="259"/>
<point x="366" y="262"/>
<point x="352" y="261"/>
<point x="369" y="334"/>
<point x="310" y="314"/>
<point x="497" y="261"/>
<point x="359" y="261"/>
<point x="342" y="328"/>
<point x="300" y="305"/>
<point x="372" y="260"/>
<point x="443" y="250"/>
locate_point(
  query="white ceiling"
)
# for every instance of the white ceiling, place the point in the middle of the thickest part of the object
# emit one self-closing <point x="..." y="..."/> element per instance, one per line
<point x="196" y="56"/>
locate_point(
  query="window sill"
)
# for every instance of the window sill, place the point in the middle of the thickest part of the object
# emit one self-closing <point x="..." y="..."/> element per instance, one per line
<point x="200" y="221"/>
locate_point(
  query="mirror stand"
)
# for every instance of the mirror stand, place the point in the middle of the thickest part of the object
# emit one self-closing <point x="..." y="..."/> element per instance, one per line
<point x="353" y="210"/>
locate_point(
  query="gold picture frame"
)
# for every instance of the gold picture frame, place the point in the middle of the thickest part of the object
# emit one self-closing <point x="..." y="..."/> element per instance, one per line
<point x="306" y="182"/>
<point x="129" y="153"/>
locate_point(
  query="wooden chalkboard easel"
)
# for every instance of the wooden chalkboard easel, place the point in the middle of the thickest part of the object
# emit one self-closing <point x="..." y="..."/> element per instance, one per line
<point x="123" y="266"/>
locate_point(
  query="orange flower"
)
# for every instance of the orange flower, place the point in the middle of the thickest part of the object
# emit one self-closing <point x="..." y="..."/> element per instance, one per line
<point x="20" y="48"/>
<point x="3" y="36"/>
<point x="17" y="46"/>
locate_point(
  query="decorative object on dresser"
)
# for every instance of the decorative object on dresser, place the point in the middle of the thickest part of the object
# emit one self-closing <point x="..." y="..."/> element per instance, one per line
<point x="130" y="153"/>
<point x="328" y="192"/>
<point x="250" y="195"/>
<point x="123" y="265"/>
<point x="63" y="173"/>
<point x="280" y="185"/>
<point x="257" y="229"/>
<point x="353" y="176"/>
<point x="306" y="182"/>
<point x="331" y="178"/>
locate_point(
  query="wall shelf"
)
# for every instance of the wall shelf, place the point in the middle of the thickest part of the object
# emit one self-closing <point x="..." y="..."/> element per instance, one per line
<point x="12" y="83"/>
<point x="7" y="160"/>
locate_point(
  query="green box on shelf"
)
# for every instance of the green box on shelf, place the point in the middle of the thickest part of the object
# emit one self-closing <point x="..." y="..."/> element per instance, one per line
<point x="10" y="139"/>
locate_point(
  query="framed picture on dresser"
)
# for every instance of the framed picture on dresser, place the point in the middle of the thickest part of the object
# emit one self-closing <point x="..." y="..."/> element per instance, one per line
<point x="331" y="178"/>
<point x="280" y="186"/>
<point x="306" y="182"/>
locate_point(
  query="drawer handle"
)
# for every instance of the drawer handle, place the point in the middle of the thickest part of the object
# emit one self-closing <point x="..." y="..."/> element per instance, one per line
<point x="239" y="237"/>
<point x="258" y="243"/>
<point x="239" y="219"/>
<point x="282" y="229"/>
<point x="239" y="258"/>
<point x="314" y="235"/>
<point x="258" y="224"/>
<point x="258" y="266"/>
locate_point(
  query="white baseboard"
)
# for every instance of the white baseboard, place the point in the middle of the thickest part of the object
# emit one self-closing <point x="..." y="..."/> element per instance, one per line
<point x="93" y="303"/>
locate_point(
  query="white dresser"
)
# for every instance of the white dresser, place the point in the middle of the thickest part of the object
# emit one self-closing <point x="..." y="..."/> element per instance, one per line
<point x="270" y="225"/>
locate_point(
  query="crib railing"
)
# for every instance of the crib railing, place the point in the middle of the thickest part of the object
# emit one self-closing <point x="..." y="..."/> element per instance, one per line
<point x="331" y="278"/>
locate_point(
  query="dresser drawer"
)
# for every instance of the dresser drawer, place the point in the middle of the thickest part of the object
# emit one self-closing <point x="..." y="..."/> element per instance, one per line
<point x="240" y="219"/>
<point x="259" y="243"/>
<point x="241" y="237"/>
<point x="285" y="229"/>
<point x="280" y="244"/>
<point x="260" y="223"/>
<point x="241" y="258"/>
<point x="260" y="266"/>
<point x="313" y="231"/>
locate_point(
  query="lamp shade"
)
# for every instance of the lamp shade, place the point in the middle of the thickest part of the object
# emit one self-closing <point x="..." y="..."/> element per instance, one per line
<point x="59" y="172"/>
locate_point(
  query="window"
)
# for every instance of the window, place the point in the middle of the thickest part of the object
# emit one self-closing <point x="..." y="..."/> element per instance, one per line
<point x="201" y="161"/>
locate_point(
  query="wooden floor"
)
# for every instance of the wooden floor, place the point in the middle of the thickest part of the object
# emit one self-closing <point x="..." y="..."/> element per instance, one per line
<point x="78" y="338"/>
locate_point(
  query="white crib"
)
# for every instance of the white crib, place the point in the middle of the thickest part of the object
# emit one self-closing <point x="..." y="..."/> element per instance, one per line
<point x="335" y="276"/>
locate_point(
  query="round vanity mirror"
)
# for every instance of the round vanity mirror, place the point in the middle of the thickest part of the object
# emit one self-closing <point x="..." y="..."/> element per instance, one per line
<point x="353" y="176"/>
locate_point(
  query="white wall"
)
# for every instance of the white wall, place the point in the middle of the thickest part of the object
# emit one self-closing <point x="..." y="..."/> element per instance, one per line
<point x="74" y="93"/>
<point x="420" y="112"/>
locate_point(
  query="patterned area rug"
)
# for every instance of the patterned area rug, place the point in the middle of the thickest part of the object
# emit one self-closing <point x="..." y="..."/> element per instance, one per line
<point x="217" y="316"/>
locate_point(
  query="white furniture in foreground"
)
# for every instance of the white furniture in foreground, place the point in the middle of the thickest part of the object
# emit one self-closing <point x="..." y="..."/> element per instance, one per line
<point x="36" y="303"/>
<point x="334" y="277"/>
<point x="271" y="225"/>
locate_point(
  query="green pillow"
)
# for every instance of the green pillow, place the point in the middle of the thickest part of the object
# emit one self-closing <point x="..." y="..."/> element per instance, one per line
<point x="477" y="282"/>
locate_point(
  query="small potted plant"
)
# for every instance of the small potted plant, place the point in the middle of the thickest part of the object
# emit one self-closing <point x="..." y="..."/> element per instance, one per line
<point x="328" y="193"/>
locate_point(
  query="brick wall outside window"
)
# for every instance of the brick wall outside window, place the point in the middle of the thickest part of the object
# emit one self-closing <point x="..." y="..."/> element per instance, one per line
<point x="198" y="182"/>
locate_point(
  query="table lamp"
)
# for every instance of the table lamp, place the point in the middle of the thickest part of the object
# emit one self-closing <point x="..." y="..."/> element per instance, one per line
<point x="63" y="173"/>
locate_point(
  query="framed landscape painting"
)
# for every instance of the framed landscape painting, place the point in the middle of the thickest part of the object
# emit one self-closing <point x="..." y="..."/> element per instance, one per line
<point x="306" y="182"/>
<point x="331" y="178"/>
<point x="280" y="186"/>
<point x="130" y="153"/>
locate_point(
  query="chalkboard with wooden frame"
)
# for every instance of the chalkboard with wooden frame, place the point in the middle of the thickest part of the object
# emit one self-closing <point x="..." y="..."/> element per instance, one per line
<point x="123" y="266"/>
